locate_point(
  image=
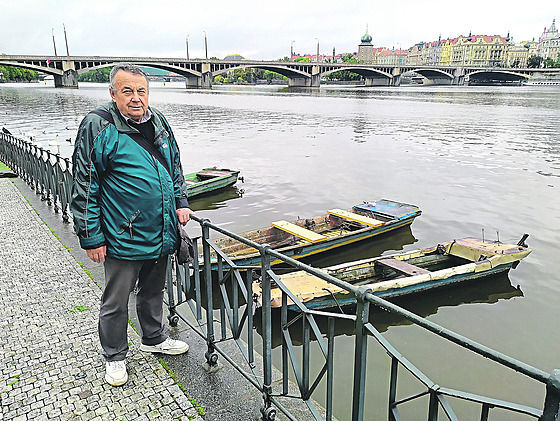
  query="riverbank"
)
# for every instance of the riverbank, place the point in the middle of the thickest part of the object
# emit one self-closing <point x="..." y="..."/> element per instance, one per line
<point x="52" y="363"/>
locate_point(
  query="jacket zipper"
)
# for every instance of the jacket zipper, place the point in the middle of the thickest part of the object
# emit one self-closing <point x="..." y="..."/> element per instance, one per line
<point x="128" y="225"/>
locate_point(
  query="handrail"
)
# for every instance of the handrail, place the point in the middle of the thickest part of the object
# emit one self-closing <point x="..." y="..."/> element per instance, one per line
<point x="233" y="276"/>
<point x="50" y="175"/>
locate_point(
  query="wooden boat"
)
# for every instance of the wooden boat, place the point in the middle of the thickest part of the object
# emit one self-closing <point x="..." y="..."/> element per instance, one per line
<point x="401" y="274"/>
<point x="308" y="237"/>
<point x="209" y="179"/>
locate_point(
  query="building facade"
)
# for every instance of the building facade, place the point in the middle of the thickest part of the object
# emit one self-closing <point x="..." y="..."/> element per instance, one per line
<point x="549" y="42"/>
<point x="471" y="50"/>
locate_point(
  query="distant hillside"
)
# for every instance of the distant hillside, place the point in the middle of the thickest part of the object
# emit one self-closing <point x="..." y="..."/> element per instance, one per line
<point x="150" y="71"/>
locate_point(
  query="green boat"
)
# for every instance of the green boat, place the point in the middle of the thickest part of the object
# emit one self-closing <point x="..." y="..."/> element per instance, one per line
<point x="400" y="274"/>
<point x="209" y="180"/>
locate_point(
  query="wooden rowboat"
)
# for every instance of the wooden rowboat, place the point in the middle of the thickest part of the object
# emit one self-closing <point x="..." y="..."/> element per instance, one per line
<point x="209" y="180"/>
<point x="402" y="274"/>
<point x="307" y="237"/>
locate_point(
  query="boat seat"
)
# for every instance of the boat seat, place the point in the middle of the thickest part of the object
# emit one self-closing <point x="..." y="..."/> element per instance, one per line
<point x="366" y="220"/>
<point x="298" y="231"/>
<point x="402" y="267"/>
<point x="212" y="174"/>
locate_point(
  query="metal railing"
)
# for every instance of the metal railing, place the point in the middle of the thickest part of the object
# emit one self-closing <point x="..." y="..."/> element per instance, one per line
<point x="193" y="288"/>
<point x="47" y="173"/>
<point x="232" y="309"/>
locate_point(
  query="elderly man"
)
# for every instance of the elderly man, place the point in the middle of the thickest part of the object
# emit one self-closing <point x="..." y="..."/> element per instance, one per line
<point x="128" y="195"/>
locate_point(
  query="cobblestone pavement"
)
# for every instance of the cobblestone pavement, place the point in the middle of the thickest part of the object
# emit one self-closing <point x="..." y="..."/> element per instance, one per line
<point x="51" y="367"/>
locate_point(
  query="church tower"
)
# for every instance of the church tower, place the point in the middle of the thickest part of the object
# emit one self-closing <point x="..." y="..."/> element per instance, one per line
<point x="365" y="49"/>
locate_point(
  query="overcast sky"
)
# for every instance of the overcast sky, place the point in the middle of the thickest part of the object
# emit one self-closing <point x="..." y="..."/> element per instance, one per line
<point x="258" y="30"/>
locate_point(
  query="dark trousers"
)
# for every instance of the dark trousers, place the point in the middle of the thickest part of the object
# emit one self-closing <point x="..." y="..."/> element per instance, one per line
<point x="121" y="276"/>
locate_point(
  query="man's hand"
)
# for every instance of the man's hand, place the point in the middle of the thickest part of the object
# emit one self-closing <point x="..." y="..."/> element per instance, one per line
<point x="98" y="254"/>
<point x="184" y="215"/>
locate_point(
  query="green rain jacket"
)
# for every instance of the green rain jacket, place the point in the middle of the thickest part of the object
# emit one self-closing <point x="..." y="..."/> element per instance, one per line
<point x="122" y="197"/>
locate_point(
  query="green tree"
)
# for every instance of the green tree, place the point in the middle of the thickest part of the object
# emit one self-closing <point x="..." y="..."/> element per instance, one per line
<point x="549" y="62"/>
<point x="345" y="75"/>
<point x="16" y="74"/>
<point x="97" y="75"/>
<point x="534" y="61"/>
<point x="302" y="59"/>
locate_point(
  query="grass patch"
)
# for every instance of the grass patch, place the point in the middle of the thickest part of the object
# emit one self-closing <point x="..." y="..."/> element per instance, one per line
<point x="4" y="167"/>
<point x="173" y="375"/>
<point x="15" y="381"/>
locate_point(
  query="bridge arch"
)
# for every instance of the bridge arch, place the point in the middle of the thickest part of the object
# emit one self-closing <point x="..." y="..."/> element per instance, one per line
<point x="495" y="75"/>
<point x="37" y="66"/>
<point x="372" y="76"/>
<point x="288" y="72"/>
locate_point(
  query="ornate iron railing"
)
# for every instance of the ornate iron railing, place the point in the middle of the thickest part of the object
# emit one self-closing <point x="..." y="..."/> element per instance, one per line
<point x="193" y="288"/>
<point x="47" y="173"/>
<point x="233" y="307"/>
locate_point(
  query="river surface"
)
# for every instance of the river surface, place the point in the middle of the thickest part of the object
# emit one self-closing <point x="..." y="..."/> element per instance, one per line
<point x="472" y="158"/>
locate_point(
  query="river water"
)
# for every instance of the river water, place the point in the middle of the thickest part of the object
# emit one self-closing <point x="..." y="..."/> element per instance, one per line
<point x="472" y="158"/>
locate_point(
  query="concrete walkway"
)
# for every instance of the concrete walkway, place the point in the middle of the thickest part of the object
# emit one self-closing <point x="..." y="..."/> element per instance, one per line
<point x="51" y="367"/>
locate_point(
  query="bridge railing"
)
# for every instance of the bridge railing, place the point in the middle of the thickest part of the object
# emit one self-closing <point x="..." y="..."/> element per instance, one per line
<point x="216" y="294"/>
<point x="47" y="173"/>
<point x="215" y="297"/>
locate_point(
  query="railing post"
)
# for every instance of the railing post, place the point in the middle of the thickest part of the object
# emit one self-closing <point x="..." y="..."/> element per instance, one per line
<point x="267" y="411"/>
<point x="360" y="354"/>
<point x="211" y="355"/>
<point x="393" y="386"/>
<point x="551" y="410"/>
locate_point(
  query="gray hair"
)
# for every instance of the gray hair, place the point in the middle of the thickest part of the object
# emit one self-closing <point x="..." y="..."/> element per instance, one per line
<point x="125" y="67"/>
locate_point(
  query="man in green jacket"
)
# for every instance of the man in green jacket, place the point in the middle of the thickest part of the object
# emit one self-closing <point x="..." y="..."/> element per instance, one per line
<point x="128" y="195"/>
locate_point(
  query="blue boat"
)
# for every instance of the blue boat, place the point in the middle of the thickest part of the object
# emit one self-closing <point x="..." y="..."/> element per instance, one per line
<point x="309" y="237"/>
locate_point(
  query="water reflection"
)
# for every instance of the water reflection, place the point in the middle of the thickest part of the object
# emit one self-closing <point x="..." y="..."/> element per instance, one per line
<point x="489" y="290"/>
<point x="469" y="157"/>
<point x="215" y="200"/>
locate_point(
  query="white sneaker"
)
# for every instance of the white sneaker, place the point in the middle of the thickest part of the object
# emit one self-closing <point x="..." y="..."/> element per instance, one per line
<point x="169" y="346"/>
<point x="115" y="373"/>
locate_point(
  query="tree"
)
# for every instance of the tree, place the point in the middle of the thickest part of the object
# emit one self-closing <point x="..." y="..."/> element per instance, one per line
<point x="549" y="62"/>
<point x="534" y="61"/>
<point x="16" y="74"/>
<point x="97" y="75"/>
<point x="345" y="74"/>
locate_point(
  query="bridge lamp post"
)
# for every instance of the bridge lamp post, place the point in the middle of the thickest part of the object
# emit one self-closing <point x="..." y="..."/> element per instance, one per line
<point x="292" y="52"/>
<point x="206" y="46"/>
<point x="54" y="43"/>
<point x="66" y="40"/>
<point x="187" y="41"/>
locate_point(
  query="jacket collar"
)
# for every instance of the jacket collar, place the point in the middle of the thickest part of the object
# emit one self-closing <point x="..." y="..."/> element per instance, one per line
<point x="121" y="121"/>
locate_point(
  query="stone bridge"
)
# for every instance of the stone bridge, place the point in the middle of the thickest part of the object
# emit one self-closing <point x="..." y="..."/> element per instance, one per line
<point x="199" y="73"/>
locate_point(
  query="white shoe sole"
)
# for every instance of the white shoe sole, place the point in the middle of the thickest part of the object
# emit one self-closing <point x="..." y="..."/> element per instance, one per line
<point x="116" y="382"/>
<point x="156" y="349"/>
